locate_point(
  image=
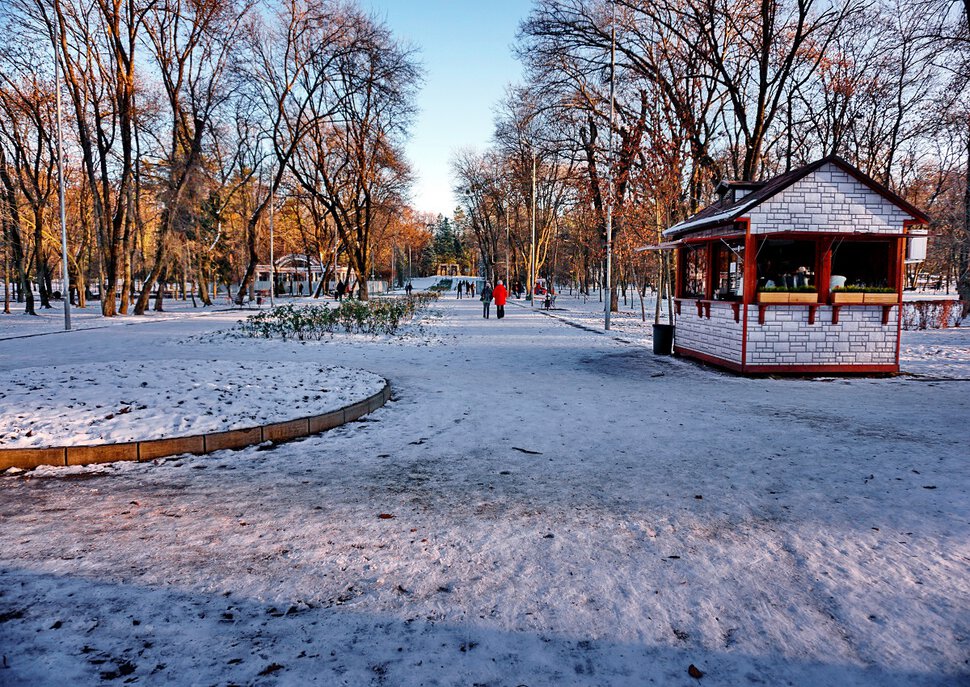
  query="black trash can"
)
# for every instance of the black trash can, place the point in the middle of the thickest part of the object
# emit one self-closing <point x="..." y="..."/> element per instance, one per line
<point x="663" y="339"/>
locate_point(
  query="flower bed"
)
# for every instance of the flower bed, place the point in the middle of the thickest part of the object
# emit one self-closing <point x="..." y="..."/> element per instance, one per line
<point x="313" y="322"/>
<point x="934" y="314"/>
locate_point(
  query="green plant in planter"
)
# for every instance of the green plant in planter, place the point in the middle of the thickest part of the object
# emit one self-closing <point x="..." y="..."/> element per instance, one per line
<point x="786" y="289"/>
<point x="865" y="289"/>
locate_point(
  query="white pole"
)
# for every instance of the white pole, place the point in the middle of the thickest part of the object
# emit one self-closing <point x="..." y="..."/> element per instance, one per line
<point x="508" y="256"/>
<point x="272" y="263"/>
<point x="532" y="249"/>
<point x="607" y="296"/>
<point x="60" y="188"/>
<point x="336" y="247"/>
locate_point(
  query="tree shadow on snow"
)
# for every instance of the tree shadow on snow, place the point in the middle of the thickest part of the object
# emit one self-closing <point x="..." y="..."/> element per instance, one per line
<point x="78" y="631"/>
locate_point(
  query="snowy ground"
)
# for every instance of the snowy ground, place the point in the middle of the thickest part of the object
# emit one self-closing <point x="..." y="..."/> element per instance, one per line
<point x="47" y="321"/>
<point x="70" y="405"/>
<point x="538" y="505"/>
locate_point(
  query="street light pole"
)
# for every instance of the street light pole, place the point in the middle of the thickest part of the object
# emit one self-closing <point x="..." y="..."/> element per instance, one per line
<point x="608" y="295"/>
<point x="532" y="249"/>
<point x="508" y="246"/>
<point x="272" y="263"/>
<point x="60" y="188"/>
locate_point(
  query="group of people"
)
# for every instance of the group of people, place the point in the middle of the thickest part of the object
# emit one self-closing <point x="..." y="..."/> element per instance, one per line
<point x="467" y="287"/>
<point x="499" y="293"/>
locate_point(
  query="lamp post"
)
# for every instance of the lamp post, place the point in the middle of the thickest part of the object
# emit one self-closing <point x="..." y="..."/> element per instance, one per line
<point x="60" y="188"/>
<point x="272" y="263"/>
<point x="336" y="248"/>
<point x="608" y="296"/>
<point x="508" y="246"/>
<point x="532" y="248"/>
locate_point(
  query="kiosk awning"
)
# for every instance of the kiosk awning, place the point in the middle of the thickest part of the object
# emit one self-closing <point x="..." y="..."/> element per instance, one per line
<point x="664" y="245"/>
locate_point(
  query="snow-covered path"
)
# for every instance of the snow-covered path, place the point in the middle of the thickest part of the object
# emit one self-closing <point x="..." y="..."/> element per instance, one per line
<point x="567" y="509"/>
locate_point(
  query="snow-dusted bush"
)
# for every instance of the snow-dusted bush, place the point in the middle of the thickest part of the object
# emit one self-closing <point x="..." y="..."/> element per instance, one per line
<point x="313" y="322"/>
<point x="937" y="314"/>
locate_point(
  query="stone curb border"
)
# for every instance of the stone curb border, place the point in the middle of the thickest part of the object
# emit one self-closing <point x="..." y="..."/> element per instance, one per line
<point x="199" y="444"/>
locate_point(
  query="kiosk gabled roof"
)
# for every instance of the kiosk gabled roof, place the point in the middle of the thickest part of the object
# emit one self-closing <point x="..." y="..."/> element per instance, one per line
<point x="726" y="210"/>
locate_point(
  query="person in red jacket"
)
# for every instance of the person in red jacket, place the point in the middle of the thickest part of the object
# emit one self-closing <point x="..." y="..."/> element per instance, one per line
<point x="500" y="294"/>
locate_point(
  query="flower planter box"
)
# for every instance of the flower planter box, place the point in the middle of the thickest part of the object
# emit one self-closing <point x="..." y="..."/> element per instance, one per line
<point x="881" y="298"/>
<point x="803" y="297"/>
<point x="848" y="297"/>
<point x="790" y="297"/>
<point x="864" y="297"/>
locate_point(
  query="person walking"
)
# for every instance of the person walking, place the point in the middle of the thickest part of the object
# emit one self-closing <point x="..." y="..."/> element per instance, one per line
<point x="486" y="299"/>
<point x="459" y="290"/>
<point x="500" y="294"/>
<point x="340" y="290"/>
<point x="408" y="288"/>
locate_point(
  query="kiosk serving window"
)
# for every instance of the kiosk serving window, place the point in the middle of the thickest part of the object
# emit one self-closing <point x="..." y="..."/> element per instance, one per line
<point x="786" y="263"/>
<point x="862" y="263"/>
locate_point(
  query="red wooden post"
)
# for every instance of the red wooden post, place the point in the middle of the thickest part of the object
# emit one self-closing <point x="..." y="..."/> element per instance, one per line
<point x="824" y="270"/>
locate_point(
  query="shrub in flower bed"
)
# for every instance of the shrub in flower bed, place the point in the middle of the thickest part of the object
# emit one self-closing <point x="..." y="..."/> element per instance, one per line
<point x="313" y="322"/>
<point x="935" y="314"/>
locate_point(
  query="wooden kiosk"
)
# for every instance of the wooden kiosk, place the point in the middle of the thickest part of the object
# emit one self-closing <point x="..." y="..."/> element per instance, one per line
<point x="800" y="274"/>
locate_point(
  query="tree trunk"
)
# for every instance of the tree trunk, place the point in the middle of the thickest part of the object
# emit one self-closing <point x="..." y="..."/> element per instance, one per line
<point x="11" y="220"/>
<point x="40" y="261"/>
<point x="160" y="293"/>
<point x="203" y="283"/>
<point x="250" y="268"/>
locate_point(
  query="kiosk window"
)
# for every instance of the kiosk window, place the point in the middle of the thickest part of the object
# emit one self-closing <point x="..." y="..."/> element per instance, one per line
<point x="695" y="271"/>
<point x="729" y="263"/>
<point x="786" y="263"/>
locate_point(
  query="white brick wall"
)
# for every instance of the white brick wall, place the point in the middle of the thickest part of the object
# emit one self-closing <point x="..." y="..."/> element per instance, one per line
<point x="719" y="336"/>
<point x="828" y="200"/>
<point x="786" y="338"/>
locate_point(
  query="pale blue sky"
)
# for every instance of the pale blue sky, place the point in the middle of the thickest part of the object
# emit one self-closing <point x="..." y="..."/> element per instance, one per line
<point x="466" y="49"/>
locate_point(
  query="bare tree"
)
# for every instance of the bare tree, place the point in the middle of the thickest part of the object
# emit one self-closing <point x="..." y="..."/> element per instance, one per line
<point x="191" y="43"/>
<point x="351" y="160"/>
<point x="27" y="130"/>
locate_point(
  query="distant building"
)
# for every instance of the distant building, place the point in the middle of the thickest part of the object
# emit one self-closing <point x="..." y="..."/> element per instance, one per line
<point x="291" y="271"/>
<point x="799" y="274"/>
<point x="297" y="269"/>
